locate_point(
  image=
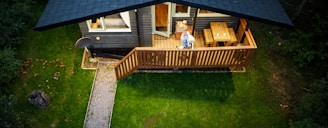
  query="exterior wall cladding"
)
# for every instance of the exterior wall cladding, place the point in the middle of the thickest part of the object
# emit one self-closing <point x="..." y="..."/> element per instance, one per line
<point x="110" y="40"/>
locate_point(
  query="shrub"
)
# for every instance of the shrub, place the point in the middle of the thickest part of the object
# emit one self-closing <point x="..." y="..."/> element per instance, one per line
<point x="313" y="107"/>
<point x="8" y="117"/>
<point x="16" y="17"/>
<point x="10" y="66"/>
<point x="306" y="47"/>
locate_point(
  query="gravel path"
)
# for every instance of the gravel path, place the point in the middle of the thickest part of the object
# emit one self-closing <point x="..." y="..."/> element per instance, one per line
<point x="102" y="97"/>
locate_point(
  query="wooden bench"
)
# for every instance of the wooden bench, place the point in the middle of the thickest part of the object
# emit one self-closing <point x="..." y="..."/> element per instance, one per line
<point x="233" y="41"/>
<point x="208" y="37"/>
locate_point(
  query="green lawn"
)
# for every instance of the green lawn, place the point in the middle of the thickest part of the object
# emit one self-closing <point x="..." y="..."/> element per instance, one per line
<point x="143" y="99"/>
<point x="53" y="52"/>
<point x="203" y="100"/>
<point x="196" y="100"/>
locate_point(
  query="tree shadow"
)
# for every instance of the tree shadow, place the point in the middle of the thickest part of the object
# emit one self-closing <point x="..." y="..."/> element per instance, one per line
<point x="193" y="86"/>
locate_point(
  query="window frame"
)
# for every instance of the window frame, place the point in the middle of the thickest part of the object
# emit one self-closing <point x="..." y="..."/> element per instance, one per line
<point x="175" y="14"/>
<point x="215" y="14"/>
<point x="104" y="29"/>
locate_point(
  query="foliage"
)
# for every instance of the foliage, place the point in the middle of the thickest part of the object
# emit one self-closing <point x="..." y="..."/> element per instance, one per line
<point x="54" y="67"/>
<point x="10" y="66"/>
<point x="306" y="123"/>
<point x="16" y="17"/>
<point x="313" y="107"/>
<point x="7" y="114"/>
<point x="306" y="47"/>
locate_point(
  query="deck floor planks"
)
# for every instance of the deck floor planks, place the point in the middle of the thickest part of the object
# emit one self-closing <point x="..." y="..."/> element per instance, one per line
<point x="171" y="42"/>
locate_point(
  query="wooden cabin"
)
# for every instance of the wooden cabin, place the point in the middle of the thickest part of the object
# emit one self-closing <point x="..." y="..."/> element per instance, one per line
<point x="152" y="29"/>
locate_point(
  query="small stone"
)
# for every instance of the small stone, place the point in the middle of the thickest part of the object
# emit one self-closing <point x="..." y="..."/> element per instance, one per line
<point x="93" y="60"/>
<point x="56" y="78"/>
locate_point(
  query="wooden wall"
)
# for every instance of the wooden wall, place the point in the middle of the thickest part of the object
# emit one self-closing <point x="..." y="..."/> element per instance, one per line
<point x="145" y="28"/>
<point x="204" y="22"/>
<point x="130" y="39"/>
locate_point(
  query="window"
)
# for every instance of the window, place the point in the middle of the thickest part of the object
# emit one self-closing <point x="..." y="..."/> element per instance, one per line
<point x="207" y="13"/>
<point x="180" y="10"/>
<point x="119" y="22"/>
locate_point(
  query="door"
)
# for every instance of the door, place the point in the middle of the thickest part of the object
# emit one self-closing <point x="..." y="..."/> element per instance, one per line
<point x="161" y="19"/>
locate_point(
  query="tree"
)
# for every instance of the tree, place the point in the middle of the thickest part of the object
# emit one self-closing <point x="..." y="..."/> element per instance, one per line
<point x="299" y="10"/>
<point x="16" y="17"/>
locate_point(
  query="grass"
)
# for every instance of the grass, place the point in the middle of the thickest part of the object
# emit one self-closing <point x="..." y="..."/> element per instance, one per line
<point x="195" y="100"/>
<point x="52" y="53"/>
<point x="204" y="100"/>
<point x="144" y="99"/>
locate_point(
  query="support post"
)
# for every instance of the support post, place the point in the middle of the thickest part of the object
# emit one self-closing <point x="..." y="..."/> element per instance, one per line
<point x="194" y="22"/>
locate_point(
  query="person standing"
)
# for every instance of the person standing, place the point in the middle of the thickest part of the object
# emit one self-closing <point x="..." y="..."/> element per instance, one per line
<point x="187" y="40"/>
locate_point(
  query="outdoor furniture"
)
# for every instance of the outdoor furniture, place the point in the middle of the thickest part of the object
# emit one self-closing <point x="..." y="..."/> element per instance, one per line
<point x="220" y="31"/>
<point x="208" y="37"/>
<point x="233" y="41"/>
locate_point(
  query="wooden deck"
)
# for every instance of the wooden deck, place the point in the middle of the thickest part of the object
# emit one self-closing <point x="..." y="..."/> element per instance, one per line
<point x="164" y="42"/>
<point x="165" y="54"/>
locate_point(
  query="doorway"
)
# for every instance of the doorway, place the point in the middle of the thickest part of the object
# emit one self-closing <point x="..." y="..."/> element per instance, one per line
<point x="161" y="19"/>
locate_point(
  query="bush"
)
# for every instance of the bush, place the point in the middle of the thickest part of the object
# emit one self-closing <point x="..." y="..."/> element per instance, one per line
<point x="16" y="17"/>
<point x="8" y="117"/>
<point x="313" y="107"/>
<point x="300" y="49"/>
<point x="10" y="66"/>
<point x="306" y="48"/>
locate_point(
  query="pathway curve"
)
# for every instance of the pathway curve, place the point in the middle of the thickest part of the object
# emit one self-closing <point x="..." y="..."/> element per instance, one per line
<point x="101" y="101"/>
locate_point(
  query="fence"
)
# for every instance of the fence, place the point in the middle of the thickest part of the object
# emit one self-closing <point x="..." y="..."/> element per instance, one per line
<point x="207" y="57"/>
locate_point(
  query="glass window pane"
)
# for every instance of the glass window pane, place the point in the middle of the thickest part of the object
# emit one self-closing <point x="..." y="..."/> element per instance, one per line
<point x="119" y="22"/>
<point x="114" y="21"/>
<point x="181" y="8"/>
<point x="205" y="11"/>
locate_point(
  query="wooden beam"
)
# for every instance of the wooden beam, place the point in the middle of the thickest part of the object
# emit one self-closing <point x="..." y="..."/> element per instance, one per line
<point x="194" y="22"/>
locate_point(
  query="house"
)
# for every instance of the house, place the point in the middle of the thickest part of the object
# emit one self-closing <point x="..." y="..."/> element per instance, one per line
<point x="152" y="29"/>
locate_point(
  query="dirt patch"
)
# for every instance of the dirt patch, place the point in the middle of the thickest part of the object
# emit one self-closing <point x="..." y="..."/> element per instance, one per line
<point x="152" y="120"/>
<point x="87" y="61"/>
<point x="284" y="83"/>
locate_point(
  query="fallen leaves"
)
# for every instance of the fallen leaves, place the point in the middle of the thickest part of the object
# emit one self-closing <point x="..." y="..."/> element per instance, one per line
<point x="44" y="73"/>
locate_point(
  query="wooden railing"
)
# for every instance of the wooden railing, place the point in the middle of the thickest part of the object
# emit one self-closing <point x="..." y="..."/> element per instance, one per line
<point x="206" y="57"/>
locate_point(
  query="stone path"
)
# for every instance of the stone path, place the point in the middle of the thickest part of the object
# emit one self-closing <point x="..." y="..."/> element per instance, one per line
<point x="101" y="102"/>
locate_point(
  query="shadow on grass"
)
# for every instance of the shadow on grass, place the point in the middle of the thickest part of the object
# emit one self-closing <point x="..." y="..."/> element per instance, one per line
<point x="193" y="86"/>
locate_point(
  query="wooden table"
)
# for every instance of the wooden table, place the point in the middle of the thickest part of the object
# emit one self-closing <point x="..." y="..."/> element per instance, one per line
<point x="220" y="31"/>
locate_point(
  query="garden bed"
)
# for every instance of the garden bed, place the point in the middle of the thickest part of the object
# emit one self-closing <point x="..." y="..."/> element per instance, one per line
<point x="90" y="63"/>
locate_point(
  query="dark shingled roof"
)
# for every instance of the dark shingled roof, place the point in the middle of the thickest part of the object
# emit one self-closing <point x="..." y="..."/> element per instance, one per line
<point x="62" y="12"/>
